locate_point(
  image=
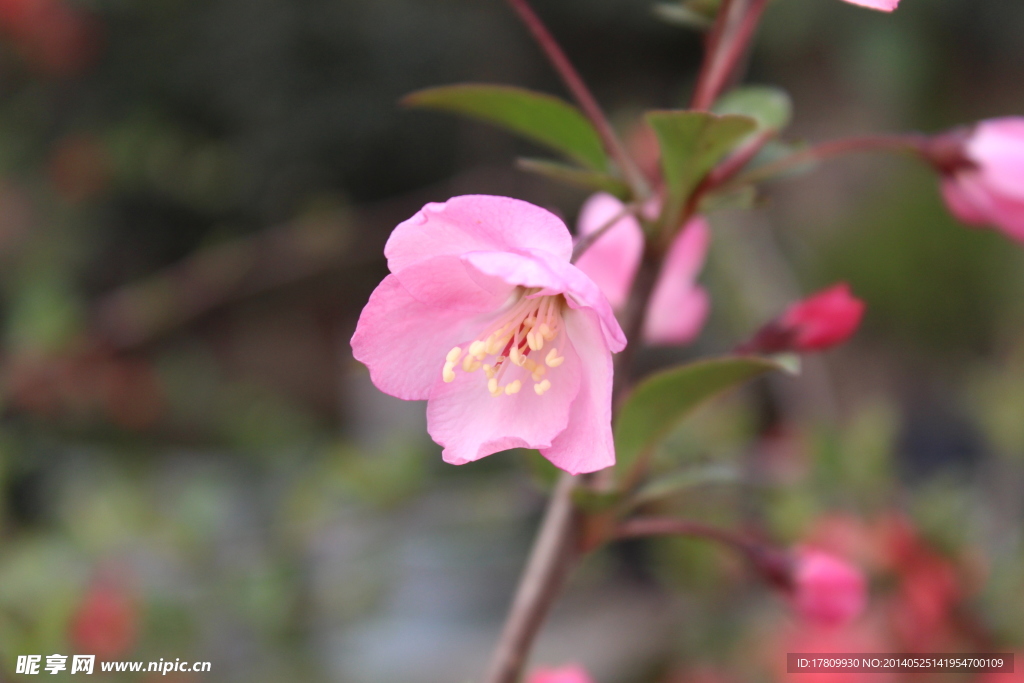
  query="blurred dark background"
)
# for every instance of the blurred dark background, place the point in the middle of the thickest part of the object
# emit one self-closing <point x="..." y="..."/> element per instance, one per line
<point x="194" y="196"/>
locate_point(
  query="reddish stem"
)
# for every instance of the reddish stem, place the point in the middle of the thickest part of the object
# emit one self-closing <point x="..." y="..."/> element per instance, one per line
<point x="914" y="143"/>
<point x="550" y="559"/>
<point x="591" y="109"/>
<point x="774" y="565"/>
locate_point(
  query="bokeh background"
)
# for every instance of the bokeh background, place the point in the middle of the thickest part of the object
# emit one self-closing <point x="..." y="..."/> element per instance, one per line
<point x="194" y="195"/>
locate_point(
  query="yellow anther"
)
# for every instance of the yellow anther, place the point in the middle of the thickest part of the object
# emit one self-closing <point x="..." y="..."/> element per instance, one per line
<point x="542" y="387"/>
<point x="538" y="373"/>
<point x="489" y="371"/>
<point x="454" y="355"/>
<point x="470" y="364"/>
<point x="478" y="349"/>
<point x="495" y="344"/>
<point x="448" y="374"/>
<point x="553" y="360"/>
<point x="529" y="364"/>
<point x="516" y="356"/>
<point x="492" y="386"/>
<point x="535" y="341"/>
<point x="513" y="387"/>
<point x="547" y="332"/>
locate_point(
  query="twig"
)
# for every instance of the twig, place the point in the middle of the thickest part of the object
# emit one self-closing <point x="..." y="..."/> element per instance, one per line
<point x="587" y="241"/>
<point x="549" y="562"/>
<point x="591" y="109"/>
<point x="904" y="143"/>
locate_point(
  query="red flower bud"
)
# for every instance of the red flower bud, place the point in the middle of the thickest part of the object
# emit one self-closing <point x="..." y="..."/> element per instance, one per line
<point x="819" y="322"/>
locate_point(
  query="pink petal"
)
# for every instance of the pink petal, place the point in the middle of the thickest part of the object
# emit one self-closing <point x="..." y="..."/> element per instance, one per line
<point x="404" y="342"/>
<point x="961" y="204"/>
<point x="1006" y="213"/>
<point x="997" y="146"/>
<point x="678" y="308"/>
<point x="612" y="260"/>
<point x="587" y="444"/>
<point x="566" y="674"/>
<point x="476" y="223"/>
<point x="884" y="5"/>
<point x="538" y="269"/>
<point x="827" y="590"/>
<point x="447" y="282"/>
<point x="463" y="417"/>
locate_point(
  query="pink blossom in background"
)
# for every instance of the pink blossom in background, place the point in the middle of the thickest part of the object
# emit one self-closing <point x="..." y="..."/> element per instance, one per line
<point x="572" y="673"/>
<point x="819" y="322"/>
<point x="883" y="5"/>
<point x="988" y="189"/>
<point x="484" y="317"/>
<point x="678" y="306"/>
<point x="827" y="590"/>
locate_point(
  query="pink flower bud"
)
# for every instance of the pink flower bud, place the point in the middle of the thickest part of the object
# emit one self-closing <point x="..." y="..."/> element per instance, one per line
<point x="986" y="186"/>
<point x="826" y="589"/>
<point x="819" y="322"/>
<point x="572" y="673"/>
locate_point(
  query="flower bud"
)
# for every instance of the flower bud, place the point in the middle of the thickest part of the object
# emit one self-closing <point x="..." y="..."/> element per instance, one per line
<point x="819" y="322"/>
<point x="826" y="589"/>
<point x="983" y="173"/>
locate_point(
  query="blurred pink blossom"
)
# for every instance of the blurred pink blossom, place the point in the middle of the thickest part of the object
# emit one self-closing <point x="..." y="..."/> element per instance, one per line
<point x="827" y="590"/>
<point x="987" y="188"/>
<point x="572" y="673"/>
<point x="678" y="306"/>
<point x="884" y="5"/>
<point x="485" y="318"/>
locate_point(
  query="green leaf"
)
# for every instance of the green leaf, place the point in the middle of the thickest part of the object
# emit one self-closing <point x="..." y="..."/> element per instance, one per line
<point x="665" y="399"/>
<point x="740" y="198"/>
<point x="771" y="107"/>
<point x="541" y="118"/>
<point x="577" y="177"/>
<point x="682" y="15"/>
<point x="692" y="143"/>
<point x="677" y="482"/>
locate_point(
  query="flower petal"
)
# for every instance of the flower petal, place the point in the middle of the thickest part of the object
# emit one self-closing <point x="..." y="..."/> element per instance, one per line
<point x="538" y="269"/>
<point x="611" y="261"/>
<point x="1006" y="213"/>
<point x="586" y="444"/>
<point x="447" y="282"/>
<point x="678" y="308"/>
<point x="961" y="204"/>
<point x="883" y="5"/>
<point x="997" y="145"/>
<point x="475" y="223"/>
<point x="463" y="417"/>
<point x="404" y="342"/>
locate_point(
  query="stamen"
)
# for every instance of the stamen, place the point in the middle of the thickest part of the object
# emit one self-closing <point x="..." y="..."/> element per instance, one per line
<point x="524" y="328"/>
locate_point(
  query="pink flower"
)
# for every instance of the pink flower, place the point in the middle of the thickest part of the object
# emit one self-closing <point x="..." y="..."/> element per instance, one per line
<point x="827" y="590"/>
<point x="884" y="5"/>
<point x="572" y="673"/>
<point x="678" y="306"/>
<point x="819" y="322"/>
<point x="485" y="318"/>
<point x="987" y="187"/>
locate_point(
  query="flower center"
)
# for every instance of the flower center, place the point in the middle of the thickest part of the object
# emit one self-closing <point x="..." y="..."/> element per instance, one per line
<point x="523" y="330"/>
